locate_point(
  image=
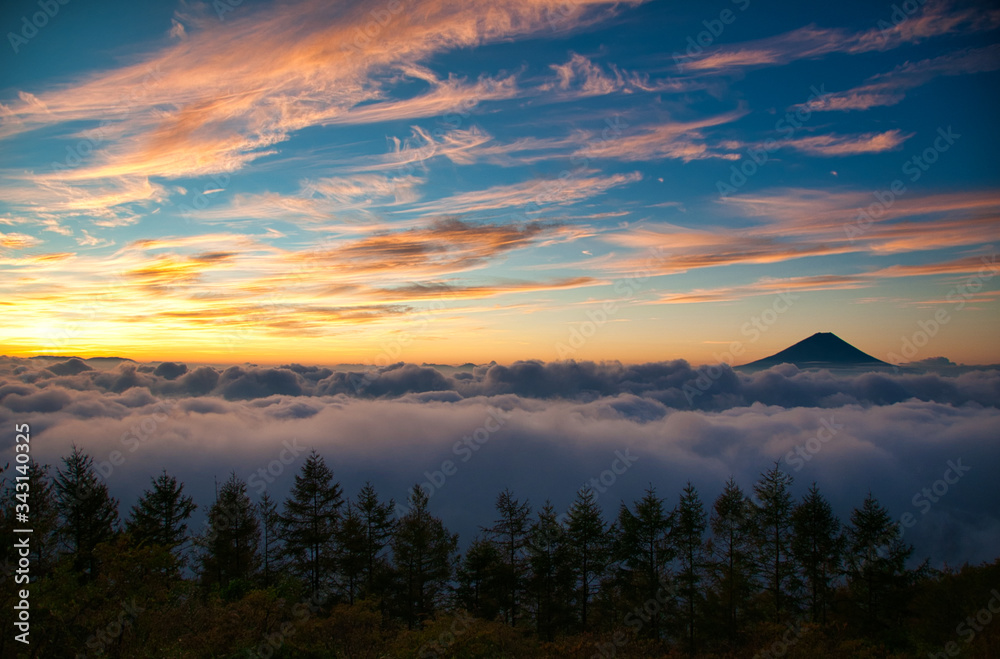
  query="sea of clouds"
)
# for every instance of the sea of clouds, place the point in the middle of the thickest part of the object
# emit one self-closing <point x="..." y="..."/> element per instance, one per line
<point x="925" y="442"/>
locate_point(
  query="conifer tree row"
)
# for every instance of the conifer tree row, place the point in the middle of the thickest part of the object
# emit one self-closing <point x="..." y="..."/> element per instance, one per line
<point x="699" y="577"/>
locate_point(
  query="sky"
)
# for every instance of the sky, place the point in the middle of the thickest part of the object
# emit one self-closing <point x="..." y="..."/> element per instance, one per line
<point x="449" y="182"/>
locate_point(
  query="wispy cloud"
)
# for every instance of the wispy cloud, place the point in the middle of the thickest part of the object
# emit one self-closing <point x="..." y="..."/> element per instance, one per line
<point x="222" y="94"/>
<point x="811" y="42"/>
<point x="679" y="140"/>
<point x="209" y="287"/>
<point x="797" y="224"/>
<point x="886" y="89"/>
<point x="580" y="77"/>
<point x="445" y="246"/>
<point x="849" y="145"/>
<point x="767" y="286"/>
<point x="446" y="97"/>
<point x="107" y="202"/>
<point x="464" y="146"/>
<point x="18" y="241"/>
<point x="535" y="193"/>
<point x="770" y="285"/>
<point x="451" y="291"/>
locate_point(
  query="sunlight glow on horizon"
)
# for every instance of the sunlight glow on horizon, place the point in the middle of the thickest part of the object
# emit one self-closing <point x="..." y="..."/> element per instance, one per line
<point x="488" y="181"/>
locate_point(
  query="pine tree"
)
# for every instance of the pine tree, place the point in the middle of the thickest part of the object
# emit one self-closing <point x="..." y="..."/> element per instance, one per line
<point x="270" y="548"/>
<point x="86" y="514"/>
<point x="309" y="522"/>
<point x="876" y="566"/>
<point x="160" y="516"/>
<point x="379" y="527"/>
<point x="510" y="533"/>
<point x="231" y="545"/>
<point x="732" y="547"/>
<point x="552" y="578"/>
<point x="588" y="540"/>
<point x="351" y="539"/>
<point x="423" y="553"/>
<point x="687" y="537"/>
<point x="774" y="522"/>
<point x="817" y="545"/>
<point x="481" y="588"/>
<point x="643" y="550"/>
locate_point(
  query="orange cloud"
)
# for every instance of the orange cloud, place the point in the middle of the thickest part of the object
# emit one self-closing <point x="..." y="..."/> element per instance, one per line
<point x="214" y="289"/>
<point x="212" y="101"/>
<point x="767" y="286"/>
<point x="682" y="140"/>
<point x="531" y="194"/>
<point x="438" y="290"/>
<point x="811" y="42"/>
<point x="849" y="145"/>
<point x="18" y="241"/>
<point x="580" y="77"/>
<point x="222" y="94"/>
<point x="447" y="245"/>
<point x="888" y="88"/>
<point x="795" y="224"/>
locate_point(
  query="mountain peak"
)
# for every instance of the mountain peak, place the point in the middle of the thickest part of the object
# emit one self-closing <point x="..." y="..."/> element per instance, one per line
<point x="821" y="350"/>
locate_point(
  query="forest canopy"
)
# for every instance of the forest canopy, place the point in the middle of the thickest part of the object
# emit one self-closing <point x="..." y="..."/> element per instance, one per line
<point x="325" y="573"/>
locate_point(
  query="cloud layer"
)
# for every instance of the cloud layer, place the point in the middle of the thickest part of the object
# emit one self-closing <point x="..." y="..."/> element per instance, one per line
<point x="543" y="429"/>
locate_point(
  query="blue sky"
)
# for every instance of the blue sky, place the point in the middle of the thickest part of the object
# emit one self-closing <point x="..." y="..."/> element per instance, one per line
<point x="477" y="181"/>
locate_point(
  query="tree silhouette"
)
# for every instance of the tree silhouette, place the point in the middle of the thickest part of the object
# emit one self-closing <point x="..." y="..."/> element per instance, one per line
<point x="351" y="543"/>
<point x="87" y="515"/>
<point x="160" y="515"/>
<point x="876" y="566"/>
<point x="231" y="545"/>
<point x="588" y="541"/>
<point x="480" y="585"/>
<point x="732" y="545"/>
<point x="309" y="522"/>
<point x="817" y="545"/>
<point x="552" y="579"/>
<point x="510" y="533"/>
<point x="774" y="522"/>
<point x="687" y="537"/>
<point x="423" y="552"/>
<point x="643" y="550"/>
<point x="379" y="526"/>
<point x="651" y="570"/>
<point x="270" y="548"/>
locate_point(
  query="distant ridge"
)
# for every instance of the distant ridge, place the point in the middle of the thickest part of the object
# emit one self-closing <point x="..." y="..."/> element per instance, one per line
<point x="84" y="359"/>
<point x="821" y="350"/>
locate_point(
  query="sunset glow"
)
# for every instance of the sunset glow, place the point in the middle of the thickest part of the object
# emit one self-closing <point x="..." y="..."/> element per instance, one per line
<point x="452" y="182"/>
